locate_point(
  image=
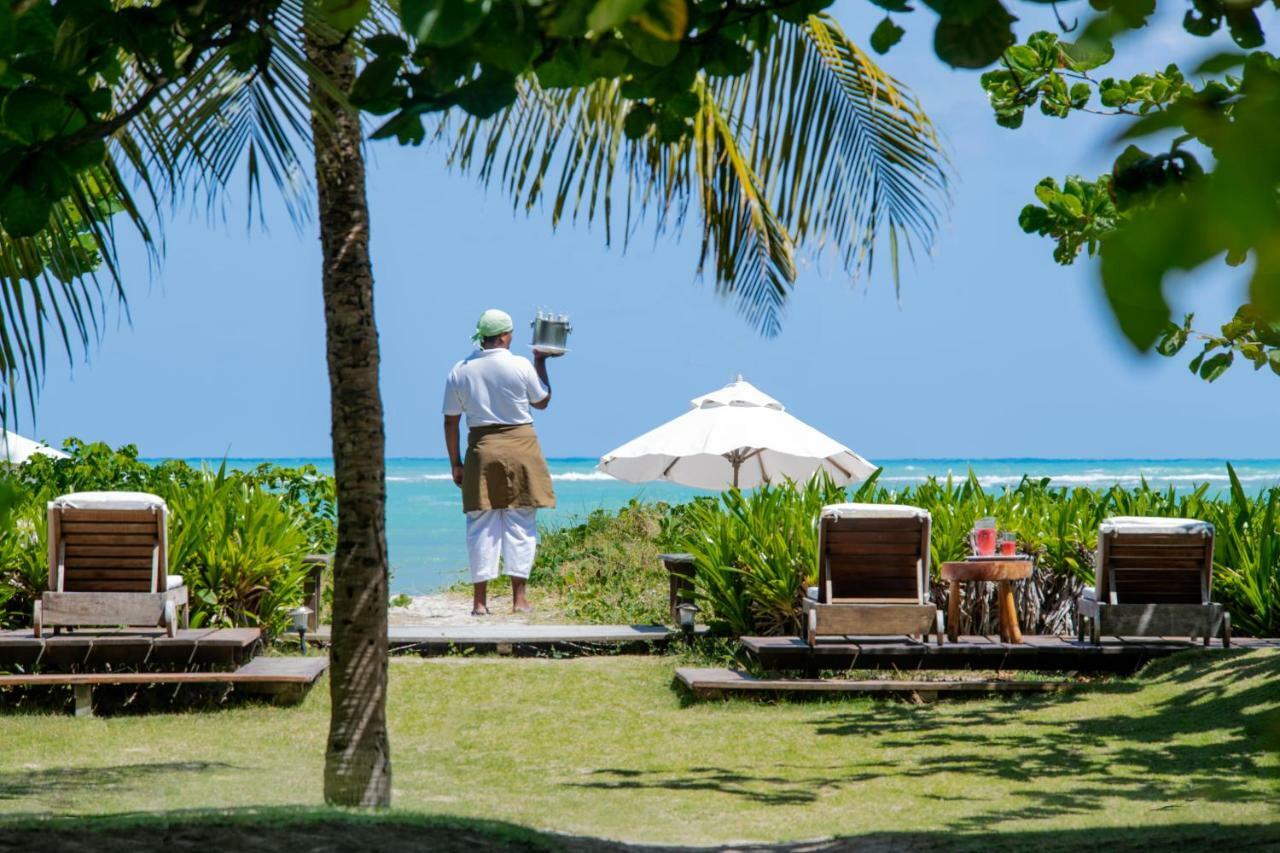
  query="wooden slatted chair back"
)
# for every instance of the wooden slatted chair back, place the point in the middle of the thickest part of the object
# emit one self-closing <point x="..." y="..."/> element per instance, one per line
<point x="107" y="550"/>
<point x="873" y="560"/>
<point x="1155" y="568"/>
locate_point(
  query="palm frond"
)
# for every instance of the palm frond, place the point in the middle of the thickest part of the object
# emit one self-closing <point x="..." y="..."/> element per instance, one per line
<point x="815" y="147"/>
<point x="50" y="282"/>
<point x="218" y="122"/>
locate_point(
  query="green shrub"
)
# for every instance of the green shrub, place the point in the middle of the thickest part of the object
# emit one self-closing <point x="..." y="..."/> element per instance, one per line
<point x="606" y="569"/>
<point x="236" y="537"/>
<point x="755" y="552"/>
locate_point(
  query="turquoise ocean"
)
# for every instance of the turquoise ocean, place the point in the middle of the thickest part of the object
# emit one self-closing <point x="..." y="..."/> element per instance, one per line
<point x="425" y="522"/>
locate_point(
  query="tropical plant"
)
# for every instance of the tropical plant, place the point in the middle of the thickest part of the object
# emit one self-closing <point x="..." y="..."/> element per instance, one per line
<point x="240" y="549"/>
<point x="237" y="537"/>
<point x="754" y="553"/>
<point x="1247" y="558"/>
<point x="1211" y="194"/>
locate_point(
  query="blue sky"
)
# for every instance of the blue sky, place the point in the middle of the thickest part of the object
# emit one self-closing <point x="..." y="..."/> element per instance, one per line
<point x="992" y="351"/>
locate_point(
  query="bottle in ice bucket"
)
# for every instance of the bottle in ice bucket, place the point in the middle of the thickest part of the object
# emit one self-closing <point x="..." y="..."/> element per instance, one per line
<point x="983" y="537"/>
<point x="551" y="332"/>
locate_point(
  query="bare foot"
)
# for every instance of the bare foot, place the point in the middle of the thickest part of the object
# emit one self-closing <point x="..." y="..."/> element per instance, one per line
<point x="479" y="611"/>
<point x="522" y="608"/>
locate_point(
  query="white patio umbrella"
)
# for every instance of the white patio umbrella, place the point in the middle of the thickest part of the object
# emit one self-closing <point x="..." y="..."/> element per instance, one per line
<point x="16" y="449"/>
<point x="737" y="436"/>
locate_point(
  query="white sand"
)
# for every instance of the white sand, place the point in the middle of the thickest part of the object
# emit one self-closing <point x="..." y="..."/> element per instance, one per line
<point x="454" y="608"/>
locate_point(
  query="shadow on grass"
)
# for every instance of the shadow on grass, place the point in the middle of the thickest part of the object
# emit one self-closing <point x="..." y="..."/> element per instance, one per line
<point x="70" y="780"/>
<point x="330" y="831"/>
<point x="766" y="790"/>
<point x="1201" y="744"/>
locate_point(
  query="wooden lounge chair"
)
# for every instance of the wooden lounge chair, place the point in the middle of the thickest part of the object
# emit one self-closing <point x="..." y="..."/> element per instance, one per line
<point x="1153" y="580"/>
<point x="108" y="564"/>
<point x="873" y="573"/>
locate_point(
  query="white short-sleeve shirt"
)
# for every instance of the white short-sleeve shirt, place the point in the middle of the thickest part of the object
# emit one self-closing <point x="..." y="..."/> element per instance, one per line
<point x="493" y="386"/>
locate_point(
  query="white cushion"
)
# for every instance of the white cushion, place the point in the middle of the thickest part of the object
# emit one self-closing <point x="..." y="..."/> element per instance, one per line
<point x="873" y="511"/>
<point x="1123" y="524"/>
<point x="109" y="500"/>
<point x="811" y="593"/>
<point x="1089" y="592"/>
<point x="172" y="581"/>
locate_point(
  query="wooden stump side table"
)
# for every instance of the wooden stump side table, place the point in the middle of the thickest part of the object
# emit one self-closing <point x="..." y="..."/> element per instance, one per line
<point x="1003" y="573"/>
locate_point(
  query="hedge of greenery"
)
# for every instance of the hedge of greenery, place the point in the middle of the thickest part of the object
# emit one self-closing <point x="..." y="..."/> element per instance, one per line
<point x="756" y="552"/>
<point x="236" y="537"/>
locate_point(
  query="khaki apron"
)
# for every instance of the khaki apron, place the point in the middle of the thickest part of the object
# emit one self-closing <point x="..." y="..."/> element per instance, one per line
<point x="504" y="468"/>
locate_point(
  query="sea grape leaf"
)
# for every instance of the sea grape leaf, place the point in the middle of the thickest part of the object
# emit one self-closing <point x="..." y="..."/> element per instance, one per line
<point x="607" y="14"/>
<point x="972" y="33"/>
<point x="442" y="22"/>
<point x="886" y="35"/>
<point x="344" y="15"/>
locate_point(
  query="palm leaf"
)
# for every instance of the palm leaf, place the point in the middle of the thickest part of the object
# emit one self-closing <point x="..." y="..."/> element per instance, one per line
<point x="814" y="148"/>
<point x="217" y="123"/>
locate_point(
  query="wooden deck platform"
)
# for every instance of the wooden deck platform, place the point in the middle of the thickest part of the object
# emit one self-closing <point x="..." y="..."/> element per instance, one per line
<point x="87" y="650"/>
<point x="517" y="639"/>
<point x="283" y="679"/>
<point x="716" y="683"/>
<point x="1115" y="654"/>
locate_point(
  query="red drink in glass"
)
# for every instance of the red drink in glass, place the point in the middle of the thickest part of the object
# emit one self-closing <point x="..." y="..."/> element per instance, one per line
<point x="984" y="541"/>
<point x="1008" y="548"/>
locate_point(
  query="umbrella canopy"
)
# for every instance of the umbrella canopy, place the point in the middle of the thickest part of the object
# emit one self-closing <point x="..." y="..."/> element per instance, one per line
<point x="16" y="449"/>
<point x="735" y="437"/>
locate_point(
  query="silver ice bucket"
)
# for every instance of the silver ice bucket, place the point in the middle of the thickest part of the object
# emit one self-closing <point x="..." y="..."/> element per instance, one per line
<point x="551" y="332"/>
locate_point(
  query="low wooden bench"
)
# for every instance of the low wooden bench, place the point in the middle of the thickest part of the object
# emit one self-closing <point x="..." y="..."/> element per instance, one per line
<point x="284" y="679"/>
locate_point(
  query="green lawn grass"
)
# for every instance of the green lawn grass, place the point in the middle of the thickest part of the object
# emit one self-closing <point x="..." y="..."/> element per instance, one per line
<point x="606" y="748"/>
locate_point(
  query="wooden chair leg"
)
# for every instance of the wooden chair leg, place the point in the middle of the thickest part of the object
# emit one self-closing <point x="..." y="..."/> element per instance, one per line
<point x="938" y="626"/>
<point x="1226" y="630"/>
<point x="170" y="619"/>
<point x="1095" y="630"/>
<point x="37" y="619"/>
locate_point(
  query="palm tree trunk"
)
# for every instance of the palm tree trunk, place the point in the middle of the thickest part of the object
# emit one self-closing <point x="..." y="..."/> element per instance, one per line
<point x="357" y="769"/>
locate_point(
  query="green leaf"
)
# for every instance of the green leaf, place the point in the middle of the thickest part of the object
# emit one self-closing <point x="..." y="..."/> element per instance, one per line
<point x="647" y="48"/>
<point x="386" y="44"/>
<point x="1214" y="367"/>
<point x="32" y="115"/>
<point x="724" y="58"/>
<point x="7" y="33"/>
<point x="973" y="33"/>
<point x="1220" y="62"/>
<point x="1023" y="56"/>
<point x="1174" y="339"/>
<point x="893" y="5"/>
<point x="1273" y="358"/>
<point x="374" y="90"/>
<point x="442" y="22"/>
<point x="638" y="121"/>
<point x="886" y="35"/>
<point x="1088" y="54"/>
<point x="493" y="90"/>
<point x="665" y="19"/>
<point x="607" y="14"/>
<point x="1080" y="94"/>
<point x="344" y="15"/>
<point x="23" y="213"/>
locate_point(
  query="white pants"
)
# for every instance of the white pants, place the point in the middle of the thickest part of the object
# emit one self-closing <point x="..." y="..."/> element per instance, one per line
<point x="511" y="534"/>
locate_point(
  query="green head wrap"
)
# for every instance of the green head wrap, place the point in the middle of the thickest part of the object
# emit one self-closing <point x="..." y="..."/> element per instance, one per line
<point x="492" y="322"/>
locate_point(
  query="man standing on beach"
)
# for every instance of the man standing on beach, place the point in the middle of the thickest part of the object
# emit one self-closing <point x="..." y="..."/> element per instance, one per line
<point x="504" y="478"/>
